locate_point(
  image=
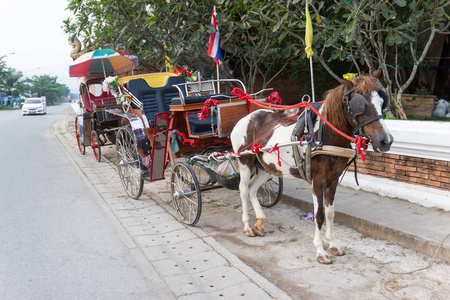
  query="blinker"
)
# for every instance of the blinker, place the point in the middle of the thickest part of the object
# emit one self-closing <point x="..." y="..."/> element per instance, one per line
<point x="385" y="97"/>
<point x="357" y="105"/>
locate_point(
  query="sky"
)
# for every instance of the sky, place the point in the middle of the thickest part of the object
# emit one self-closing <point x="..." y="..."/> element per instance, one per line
<point x="33" y="31"/>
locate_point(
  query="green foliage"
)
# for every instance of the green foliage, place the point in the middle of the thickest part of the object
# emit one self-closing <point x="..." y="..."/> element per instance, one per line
<point x="48" y="86"/>
<point x="260" y="37"/>
<point x="10" y="80"/>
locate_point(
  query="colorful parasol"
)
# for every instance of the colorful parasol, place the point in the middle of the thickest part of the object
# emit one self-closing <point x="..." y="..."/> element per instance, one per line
<point x="103" y="61"/>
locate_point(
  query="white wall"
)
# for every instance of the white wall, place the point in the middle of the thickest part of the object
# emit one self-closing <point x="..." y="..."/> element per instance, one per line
<point x="425" y="139"/>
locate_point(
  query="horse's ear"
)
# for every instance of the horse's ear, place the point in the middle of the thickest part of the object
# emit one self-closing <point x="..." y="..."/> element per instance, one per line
<point x="377" y="74"/>
<point x="348" y="84"/>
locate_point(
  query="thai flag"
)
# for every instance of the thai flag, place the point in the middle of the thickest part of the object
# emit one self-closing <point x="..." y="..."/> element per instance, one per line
<point x="214" y="42"/>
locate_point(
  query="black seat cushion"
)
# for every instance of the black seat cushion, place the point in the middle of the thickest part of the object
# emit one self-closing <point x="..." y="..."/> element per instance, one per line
<point x="199" y="127"/>
<point x="203" y="98"/>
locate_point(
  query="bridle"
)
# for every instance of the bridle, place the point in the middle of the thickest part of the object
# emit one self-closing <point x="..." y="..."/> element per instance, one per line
<point x="355" y="106"/>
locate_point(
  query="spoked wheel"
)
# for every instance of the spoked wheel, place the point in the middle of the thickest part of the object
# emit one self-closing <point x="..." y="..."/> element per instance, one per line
<point x="270" y="192"/>
<point x="186" y="194"/>
<point x="128" y="163"/>
<point x="81" y="147"/>
<point x="95" y="145"/>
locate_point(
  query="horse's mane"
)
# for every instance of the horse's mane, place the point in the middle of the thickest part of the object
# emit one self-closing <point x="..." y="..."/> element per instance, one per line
<point x="333" y="109"/>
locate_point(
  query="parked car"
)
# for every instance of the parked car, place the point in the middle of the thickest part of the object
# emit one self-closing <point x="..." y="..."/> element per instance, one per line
<point x="34" y="106"/>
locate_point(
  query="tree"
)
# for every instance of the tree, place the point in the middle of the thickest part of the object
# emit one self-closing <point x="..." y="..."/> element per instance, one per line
<point x="367" y="34"/>
<point x="48" y="86"/>
<point x="158" y="30"/>
<point x="264" y="37"/>
<point x="10" y="80"/>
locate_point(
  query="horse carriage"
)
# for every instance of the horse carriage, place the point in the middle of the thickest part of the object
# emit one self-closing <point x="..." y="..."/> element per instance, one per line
<point x="153" y="119"/>
<point x="216" y="135"/>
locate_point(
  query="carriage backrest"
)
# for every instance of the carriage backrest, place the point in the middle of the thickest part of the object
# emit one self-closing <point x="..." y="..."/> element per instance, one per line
<point x="147" y="95"/>
<point x="154" y="100"/>
<point x="169" y="91"/>
<point x="200" y="88"/>
<point x="90" y="101"/>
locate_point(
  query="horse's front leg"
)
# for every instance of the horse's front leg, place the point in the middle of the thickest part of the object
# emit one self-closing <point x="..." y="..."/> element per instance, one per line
<point x="245" y="174"/>
<point x="260" y="178"/>
<point x="317" y="193"/>
<point x="335" y="246"/>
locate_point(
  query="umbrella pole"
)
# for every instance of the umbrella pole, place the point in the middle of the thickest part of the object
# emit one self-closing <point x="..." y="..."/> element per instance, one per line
<point x="104" y="72"/>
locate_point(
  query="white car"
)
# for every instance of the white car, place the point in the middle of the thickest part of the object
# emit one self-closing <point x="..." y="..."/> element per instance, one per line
<point x="34" y="106"/>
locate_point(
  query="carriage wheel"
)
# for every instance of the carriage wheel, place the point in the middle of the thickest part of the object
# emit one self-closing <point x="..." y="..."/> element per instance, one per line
<point x="95" y="145"/>
<point x="128" y="163"/>
<point x="270" y="192"/>
<point x="186" y="194"/>
<point x="81" y="147"/>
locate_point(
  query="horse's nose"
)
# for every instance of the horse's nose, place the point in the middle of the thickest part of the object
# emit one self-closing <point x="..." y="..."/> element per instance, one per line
<point x="385" y="144"/>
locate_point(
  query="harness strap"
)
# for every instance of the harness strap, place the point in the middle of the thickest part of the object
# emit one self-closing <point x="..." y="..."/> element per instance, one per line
<point x="353" y="160"/>
<point x="366" y="122"/>
<point x="335" y="151"/>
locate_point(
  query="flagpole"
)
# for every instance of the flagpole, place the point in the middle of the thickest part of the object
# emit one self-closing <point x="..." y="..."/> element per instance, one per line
<point x="312" y="79"/>
<point x="308" y="47"/>
<point x="218" y="83"/>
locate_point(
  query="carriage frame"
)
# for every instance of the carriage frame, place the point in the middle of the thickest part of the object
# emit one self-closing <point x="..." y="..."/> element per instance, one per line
<point x="156" y="124"/>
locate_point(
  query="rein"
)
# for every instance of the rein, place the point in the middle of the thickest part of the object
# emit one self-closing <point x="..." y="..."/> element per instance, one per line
<point x="361" y="143"/>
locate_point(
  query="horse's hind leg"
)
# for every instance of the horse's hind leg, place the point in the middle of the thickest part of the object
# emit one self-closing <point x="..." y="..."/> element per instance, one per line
<point x="258" y="180"/>
<point x="245" y="175"/>
<point x="335" y="246"/>
<point x="317" y="193"/>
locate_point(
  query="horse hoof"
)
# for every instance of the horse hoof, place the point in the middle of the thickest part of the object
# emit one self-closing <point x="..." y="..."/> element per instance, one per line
<point x="337" y="252"/>
<point x="259" y="232"/>
<point x="250" y="233"/>
<point x="324" y="259"/>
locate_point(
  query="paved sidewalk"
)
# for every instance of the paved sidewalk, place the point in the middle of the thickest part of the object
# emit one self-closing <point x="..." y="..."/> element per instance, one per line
<point x="188" y="263"/>
<point x="423" y="229"/>
<point x="179" y="261"/>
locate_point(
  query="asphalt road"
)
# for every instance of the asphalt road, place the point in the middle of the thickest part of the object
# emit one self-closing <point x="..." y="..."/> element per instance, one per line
<point x="55" y="241"/>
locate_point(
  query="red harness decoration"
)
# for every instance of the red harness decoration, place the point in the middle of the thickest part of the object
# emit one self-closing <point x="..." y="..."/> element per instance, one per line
<point x="361" y="143"/>
<point x="255" y="148"/>
<point x="275" y="148"/>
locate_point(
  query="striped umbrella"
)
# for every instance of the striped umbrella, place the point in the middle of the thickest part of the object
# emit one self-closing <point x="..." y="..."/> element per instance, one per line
<point x="103" y="61"/>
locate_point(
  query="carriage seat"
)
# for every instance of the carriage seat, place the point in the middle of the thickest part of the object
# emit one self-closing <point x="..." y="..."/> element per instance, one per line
<point x="200" y="99"/>
<point x="154" y="99"/>
<point x="104" y="99"/>
<point x="197" y="92"/>
<point x="201" y="127"/>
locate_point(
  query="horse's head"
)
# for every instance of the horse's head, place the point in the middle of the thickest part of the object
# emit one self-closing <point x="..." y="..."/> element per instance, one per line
<point x="364" y="100"/>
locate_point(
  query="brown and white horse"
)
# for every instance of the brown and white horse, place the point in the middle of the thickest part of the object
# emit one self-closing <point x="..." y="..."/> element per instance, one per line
<point x="370" y="97"/>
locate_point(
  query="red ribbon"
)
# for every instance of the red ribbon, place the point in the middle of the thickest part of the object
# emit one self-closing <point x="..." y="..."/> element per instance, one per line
<point x="275" y="148"/>
<point x="256" y="148"/>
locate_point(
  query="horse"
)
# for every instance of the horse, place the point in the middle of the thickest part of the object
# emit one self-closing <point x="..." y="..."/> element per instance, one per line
<point x="354" y="105"/>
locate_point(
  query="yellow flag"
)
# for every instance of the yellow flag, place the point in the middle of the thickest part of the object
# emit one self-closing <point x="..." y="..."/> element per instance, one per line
<point x="169" y="66"/>
<point x="308" y="33"/>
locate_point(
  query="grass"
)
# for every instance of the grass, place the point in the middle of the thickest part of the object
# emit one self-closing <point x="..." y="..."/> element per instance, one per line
<point x="7" y="108"/>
